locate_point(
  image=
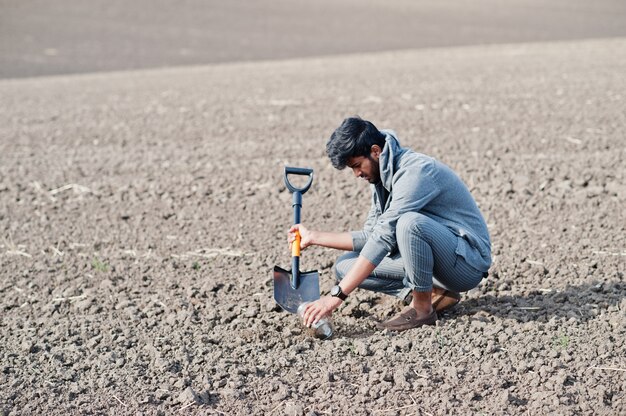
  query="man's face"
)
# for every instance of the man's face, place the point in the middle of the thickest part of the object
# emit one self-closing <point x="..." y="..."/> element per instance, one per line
<point x="367" y="168"/>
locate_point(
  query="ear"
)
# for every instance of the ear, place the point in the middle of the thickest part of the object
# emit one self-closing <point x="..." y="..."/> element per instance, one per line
<point x="375" y="151"/>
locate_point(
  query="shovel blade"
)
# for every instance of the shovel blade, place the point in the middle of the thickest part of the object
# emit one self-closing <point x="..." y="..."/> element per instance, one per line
<point x="289" y="298"/>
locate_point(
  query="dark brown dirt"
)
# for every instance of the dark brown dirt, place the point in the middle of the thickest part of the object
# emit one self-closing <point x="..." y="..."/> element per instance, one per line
<point x="141" y="214"/>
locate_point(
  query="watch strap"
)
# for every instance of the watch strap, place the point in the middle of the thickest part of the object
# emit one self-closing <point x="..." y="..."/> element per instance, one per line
<point x="339" y="293"/>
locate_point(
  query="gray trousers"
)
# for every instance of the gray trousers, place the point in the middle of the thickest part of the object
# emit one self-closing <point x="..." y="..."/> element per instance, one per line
<point x="426" y="257"/>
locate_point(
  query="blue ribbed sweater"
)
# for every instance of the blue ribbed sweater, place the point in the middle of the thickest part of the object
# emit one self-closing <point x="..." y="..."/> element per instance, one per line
<point x="419" y="183"/>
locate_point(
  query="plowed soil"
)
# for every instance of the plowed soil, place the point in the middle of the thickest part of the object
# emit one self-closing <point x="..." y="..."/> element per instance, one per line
<point x="141" y="214"/>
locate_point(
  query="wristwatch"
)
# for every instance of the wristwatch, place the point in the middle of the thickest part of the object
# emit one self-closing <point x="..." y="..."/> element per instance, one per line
<point x="335" y="291"/>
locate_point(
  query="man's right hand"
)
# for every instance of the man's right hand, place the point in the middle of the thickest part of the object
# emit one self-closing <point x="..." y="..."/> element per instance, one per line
<point x="306" y="236"/>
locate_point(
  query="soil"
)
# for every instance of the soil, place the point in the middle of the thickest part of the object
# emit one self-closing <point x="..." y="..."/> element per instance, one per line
<point x="141" y="214"/>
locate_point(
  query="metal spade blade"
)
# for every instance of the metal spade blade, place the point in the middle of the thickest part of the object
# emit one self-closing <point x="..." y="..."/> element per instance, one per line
<point x="289" y="298"/>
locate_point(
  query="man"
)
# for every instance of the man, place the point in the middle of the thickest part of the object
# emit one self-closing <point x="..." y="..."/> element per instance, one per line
<point x="424" y="229"/>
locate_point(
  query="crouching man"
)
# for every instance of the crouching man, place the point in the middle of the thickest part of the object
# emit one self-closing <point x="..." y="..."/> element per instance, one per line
<point x="424" y="241"/>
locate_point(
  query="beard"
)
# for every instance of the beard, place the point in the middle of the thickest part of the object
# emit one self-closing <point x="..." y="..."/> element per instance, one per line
<point x="375" y="174"/>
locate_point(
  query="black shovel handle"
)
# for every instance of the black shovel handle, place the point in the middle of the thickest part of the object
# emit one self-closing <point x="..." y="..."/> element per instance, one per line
<point x="298" y="171"/>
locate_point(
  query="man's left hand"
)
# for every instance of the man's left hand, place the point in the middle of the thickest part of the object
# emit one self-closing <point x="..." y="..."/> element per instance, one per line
<point x="317" y="310"/>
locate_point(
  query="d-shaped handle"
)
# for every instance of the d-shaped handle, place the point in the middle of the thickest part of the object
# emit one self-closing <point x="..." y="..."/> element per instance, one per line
<point x="298" y="171"/>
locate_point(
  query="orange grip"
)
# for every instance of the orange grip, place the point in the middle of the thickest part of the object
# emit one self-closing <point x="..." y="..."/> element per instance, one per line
<point x="295" y="246"/>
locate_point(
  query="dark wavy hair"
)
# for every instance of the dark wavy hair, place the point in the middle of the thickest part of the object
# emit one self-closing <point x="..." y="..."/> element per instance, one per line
<point x="355" y="137"/>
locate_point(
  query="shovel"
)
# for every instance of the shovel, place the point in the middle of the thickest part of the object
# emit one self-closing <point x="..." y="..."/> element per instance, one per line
<point x="291" y="289"/>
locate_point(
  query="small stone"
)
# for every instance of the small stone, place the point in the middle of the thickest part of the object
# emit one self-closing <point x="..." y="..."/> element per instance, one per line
<point x="362" y="348"/>
<point x="188" y="395"/>
<point x="292" y="409"/>
<point x="505" y="398"/>
<point x="29" y="347"/>
<point x="207" y="382"/>
<point x="400" y="379"/>
<point x="251" y="312"/>
<point x="205" y="396"/>
<point x="593" y="191"/>
<point x="422" y="382"/>
<point x="272" y="306"/>
<point x="181" y="383"/>
<point x="365" y="307"/>
<point x="616" y="188"/>
<point x="84" y="304"/>
<point x="93" y="342"/>
<point x="172" y="319"/>
<point x="230" y="393"/>
<point x="281" y="394"/>
<point x="401" y="344"/>
<point x="146" y="399"/>
<point x="162" y="394"/>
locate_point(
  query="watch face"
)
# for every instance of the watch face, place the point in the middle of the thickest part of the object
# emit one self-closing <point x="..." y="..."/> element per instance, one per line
<point x="334" y="291"/>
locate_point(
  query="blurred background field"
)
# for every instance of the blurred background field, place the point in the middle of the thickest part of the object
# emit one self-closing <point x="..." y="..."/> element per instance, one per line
<point x="39" y="37"/>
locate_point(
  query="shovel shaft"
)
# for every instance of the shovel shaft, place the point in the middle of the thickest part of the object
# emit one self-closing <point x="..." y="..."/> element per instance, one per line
<point x="297" y="206"/>
<point x="295" y="272"/>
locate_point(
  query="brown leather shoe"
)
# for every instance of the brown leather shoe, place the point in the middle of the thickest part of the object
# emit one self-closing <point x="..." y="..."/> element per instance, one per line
<point x="407" y="319"/>
<point x="445" y="300"/>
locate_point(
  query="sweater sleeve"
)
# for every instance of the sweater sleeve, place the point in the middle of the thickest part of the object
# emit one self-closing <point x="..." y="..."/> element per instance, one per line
<point x="359" y="238"/>
<point x="412" y="189"/>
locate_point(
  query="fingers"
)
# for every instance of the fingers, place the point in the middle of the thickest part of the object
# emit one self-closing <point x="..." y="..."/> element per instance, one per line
<point x="308" y="314"/>
<point x="293" y="231"/>
<point x="312" y="314"/>
<point x="291" y="235"/>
